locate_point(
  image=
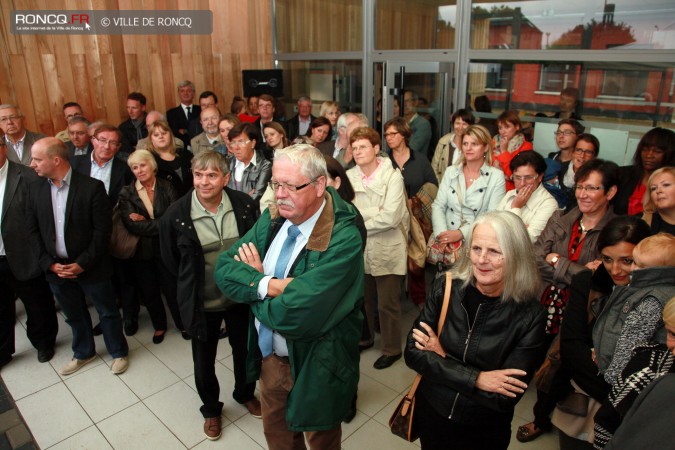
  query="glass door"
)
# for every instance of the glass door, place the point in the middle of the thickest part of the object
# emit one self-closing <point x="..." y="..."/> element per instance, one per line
<point x="423" y="88"/>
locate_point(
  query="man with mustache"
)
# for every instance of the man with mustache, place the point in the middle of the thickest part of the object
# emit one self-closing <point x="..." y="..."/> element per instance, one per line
<point x="301" y="273"/>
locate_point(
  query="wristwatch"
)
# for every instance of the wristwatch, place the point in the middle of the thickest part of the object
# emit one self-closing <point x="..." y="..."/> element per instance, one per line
<point x="555" y="260"/>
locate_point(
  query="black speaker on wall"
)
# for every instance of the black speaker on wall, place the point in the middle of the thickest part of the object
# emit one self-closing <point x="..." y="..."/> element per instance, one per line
<point x="258" y="82"/>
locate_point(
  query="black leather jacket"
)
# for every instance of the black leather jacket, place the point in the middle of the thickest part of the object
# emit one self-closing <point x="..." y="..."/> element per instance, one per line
<point x="504" y="335"/>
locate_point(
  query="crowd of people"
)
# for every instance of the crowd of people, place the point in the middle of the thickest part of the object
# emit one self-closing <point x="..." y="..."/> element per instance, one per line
<point x="294" y="240"/>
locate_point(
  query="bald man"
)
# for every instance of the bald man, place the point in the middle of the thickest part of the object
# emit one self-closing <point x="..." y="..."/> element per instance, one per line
<point x="210" y="138"/>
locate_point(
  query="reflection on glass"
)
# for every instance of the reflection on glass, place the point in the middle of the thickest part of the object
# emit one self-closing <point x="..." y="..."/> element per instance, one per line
<point x="319" y="26"/>
<point x="415" y="24"/>
<point x="631" y="93"/>
<point x="335" y="80"/>
<point x="573" y="24"/>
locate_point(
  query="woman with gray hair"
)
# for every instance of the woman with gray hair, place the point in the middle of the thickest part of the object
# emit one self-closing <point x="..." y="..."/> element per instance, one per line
<point x="141" y="205"/>
<point x="491" y="343"/>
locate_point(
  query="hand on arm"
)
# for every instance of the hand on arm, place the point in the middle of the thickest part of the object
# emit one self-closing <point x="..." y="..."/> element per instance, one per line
<point x="502" y="382"/>
<point x="427" y="340"/>
<point x="249" y="255"/>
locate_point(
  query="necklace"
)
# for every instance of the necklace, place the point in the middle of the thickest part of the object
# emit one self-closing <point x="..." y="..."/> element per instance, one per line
<point x="581" y="224"/>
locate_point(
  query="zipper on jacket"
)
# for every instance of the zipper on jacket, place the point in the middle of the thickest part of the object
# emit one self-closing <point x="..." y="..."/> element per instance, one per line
<point x="466" y="348"/>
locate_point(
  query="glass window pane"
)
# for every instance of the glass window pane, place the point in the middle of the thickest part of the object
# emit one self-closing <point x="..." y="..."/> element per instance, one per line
<point x="319" y="26"/>
<point x="569" y="24"/>
<point x="335" y="80"/>
<point x="620" y="93"/>
<point x="415" y="24"/>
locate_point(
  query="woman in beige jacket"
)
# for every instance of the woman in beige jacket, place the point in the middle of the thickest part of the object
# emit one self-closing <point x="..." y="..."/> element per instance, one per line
<point x="381" y="200"/>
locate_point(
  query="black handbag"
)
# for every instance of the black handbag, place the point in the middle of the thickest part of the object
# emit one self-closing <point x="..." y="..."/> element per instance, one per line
<point x="401" y="421"/>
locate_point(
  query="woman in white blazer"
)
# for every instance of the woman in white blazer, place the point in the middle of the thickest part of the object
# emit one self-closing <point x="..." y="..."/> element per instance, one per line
<point x="469" y="188"/>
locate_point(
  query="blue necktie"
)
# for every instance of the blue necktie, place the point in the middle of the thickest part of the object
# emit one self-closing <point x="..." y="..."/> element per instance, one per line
<point x="265" y="334"/>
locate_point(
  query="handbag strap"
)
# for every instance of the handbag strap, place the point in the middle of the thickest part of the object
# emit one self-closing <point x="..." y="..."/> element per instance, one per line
<point x="444" y="312"/>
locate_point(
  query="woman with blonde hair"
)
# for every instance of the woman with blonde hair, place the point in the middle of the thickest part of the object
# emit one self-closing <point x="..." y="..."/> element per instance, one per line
<point x="331" y="111"/>
<point x="141" y="205"/>
<point x="659" y="203"/>
<point x="173" y="164"/>
<point x="470" y="188"/>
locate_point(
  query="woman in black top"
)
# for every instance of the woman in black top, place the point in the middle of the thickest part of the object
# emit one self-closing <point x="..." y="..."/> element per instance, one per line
<point x="491" y="342"/>
<point x="173" y="164"/>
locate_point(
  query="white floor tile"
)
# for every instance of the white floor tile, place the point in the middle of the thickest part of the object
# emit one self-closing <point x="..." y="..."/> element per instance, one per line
<point x="178" y="408"/>
<point x="53" y="415"/>
<point x="88" y="439"/>
<point x="146" y="374"/>
<point x="24" y="375"/>
<point x="101" y="403"/>
<point x="373" y="396"/>
<point x="174" y="352"/>
<point x="398" y="377"/>
<point x="252" y="427"/>
<point x="137" y="428"/>
<point x="375" y="435"/>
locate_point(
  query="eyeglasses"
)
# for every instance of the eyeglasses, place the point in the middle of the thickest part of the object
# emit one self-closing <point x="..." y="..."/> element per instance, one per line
<point x="490" y="254"/>
<point x="361" y="148"/>
<point x="108" y="142"/>
<point x="239" y="143"/>
<point x="585" y="152"/>
<point x="9" y="118"/>
<point x="590" y="189"/>
<point x="524" y="177"/>
<point x="622" y="261"/>
<point x="393" y="133"/>
<point x="565" y="133"/>
<point x="274" y="185"/>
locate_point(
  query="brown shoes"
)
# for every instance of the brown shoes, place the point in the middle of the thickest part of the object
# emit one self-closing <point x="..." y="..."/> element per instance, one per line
<point x="528" y="432"/>
<point x="254" y="408"/>
<point x="212" y="428"/>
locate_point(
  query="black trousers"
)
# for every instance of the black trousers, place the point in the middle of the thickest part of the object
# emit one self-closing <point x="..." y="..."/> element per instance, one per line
<point x="150" y="280"/>
<point x="38" y="301"/>
<point x="204" y="358"/>
<point x="439" y="433"/>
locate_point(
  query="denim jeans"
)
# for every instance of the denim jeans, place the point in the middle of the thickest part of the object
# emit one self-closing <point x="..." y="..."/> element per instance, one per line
<point x="70" y="295"/>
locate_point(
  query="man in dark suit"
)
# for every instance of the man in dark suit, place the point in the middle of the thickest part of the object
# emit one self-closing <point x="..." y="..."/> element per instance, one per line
<point x="179" y="117"/>
<point x="20" y="274"/>
<point x="18" y="139"/>
<point x="298" y="125"/>
<point x="79" y="142"/>
<point x="70" y="227"/>
<point x="133" y="129"/>
<point x="103" y="164"/>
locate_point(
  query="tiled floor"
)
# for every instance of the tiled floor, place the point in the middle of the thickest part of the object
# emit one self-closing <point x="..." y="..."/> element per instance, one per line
<point x="154" y="404"/>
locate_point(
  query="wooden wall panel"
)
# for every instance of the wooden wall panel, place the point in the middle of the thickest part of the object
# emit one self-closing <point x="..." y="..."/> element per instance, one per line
<point x="40" y="73"/>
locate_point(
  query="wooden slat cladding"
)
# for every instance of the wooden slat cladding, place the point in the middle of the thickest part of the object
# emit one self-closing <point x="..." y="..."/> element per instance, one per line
<point x="41" y="72"/>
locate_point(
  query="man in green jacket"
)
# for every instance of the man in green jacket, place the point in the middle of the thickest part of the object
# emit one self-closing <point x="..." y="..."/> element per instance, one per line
<point x="302" y="275"/>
